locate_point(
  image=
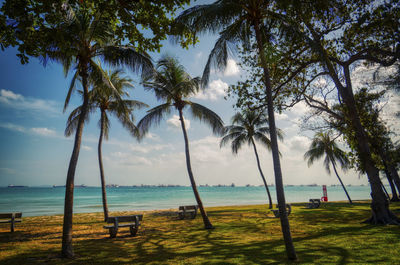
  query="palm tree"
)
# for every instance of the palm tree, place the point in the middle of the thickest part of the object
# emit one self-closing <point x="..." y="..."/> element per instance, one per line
<point x="322" y="144"/>
<point x="173" y="85"/>
<point x="246" y="128"/>
<point x="108" y="99"/>
<point x="78" y="40"/>
<point x="238" y="22"/>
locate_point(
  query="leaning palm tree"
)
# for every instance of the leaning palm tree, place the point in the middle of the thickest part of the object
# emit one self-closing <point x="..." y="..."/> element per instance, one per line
<point x="248" y="127"/>
<point x="238" y="23"/>
<point x="173" y="85"/>
<point x="78" y="40"/>
<point x="108" y="100"/>
<point x="322" y="144"/>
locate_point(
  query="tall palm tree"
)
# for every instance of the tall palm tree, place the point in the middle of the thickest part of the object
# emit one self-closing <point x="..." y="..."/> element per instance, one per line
<point x="322" y="144"/>
<point x="174" y="86"/>
<point x="238" y="22"/>
<point x="108" y="100"/>
<point x="78" y="40"/>
<point x="248" y="127"/>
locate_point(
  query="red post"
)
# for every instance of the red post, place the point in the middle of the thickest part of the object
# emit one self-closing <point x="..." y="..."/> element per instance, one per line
<point x="325" y="197"/>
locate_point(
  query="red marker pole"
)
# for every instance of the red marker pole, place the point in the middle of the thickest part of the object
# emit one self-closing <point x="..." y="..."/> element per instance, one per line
<point x="325" y="197"/>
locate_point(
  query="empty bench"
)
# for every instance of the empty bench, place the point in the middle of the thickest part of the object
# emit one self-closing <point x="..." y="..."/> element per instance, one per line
<point x="131" y="221"/>
<point x="314" y="203"/>
<point x="11" y="218"/>
<point x="190" y="210"/>
<point x="288" y="210"/>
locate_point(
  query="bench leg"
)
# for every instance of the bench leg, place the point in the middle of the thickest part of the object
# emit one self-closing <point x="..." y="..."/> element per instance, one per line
<point x="181" y="216"/>
<point x="133" y="230"/>
<point x="193" y="215"/>
<point x="12" y="223"/>
<point x="113" y="232"/>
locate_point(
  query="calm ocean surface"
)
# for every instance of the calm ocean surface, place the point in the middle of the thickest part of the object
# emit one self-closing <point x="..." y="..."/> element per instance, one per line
<point x="34" y="201"/>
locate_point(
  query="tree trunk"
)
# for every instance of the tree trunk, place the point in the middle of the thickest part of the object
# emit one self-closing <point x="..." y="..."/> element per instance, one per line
<point x="379" y="205"/>
<point x="103" y="182"/>
<point x="280" y="194"/>
<point x="66" y="249"/>
<point x="206" y="221"/>
<point x="341" y="182"/>
<point x="261" y="173"/>
<point x="395" y="197"/>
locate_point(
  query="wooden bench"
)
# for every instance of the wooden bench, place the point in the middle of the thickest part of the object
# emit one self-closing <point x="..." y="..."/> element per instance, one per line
<point x="134" y="223"/>
<point x="288" y="210"/>
<point x="11" y="218"/>
<point x="314" y="203"/>
<point x="190" y="210"/>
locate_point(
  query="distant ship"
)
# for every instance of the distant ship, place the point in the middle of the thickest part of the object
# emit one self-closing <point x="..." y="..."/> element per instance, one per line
<point x="16" y="186"/>
<point x="58" y="186"/>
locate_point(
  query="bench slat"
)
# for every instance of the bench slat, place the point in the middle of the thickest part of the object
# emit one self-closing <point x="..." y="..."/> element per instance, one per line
<point x="128" y="218"/>
<point x="9" y="215"/>
<point x="9" y="221"/>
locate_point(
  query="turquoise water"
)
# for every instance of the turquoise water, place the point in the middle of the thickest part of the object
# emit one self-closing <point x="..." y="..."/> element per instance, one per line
<point x="34" y="201"/>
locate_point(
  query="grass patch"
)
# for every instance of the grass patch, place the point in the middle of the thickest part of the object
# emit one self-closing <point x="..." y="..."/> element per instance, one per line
<point x="242" y="235"/>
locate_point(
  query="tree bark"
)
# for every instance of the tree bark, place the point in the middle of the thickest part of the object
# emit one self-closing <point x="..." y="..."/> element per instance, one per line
<point x="379" y="205"/>
<point x="66" y="249"/>
<point x="206" y="221"/>
<point x="103" y="182"/>
<point x="395" y="197"/>
<point x="341" y="182"/>
<point x="261" y="173"/>
<point x="280" y="194"/>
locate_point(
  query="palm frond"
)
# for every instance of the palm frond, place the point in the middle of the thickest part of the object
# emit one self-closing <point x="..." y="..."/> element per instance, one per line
<point x="73" y="119"/>
<point x="229" y="137"/>
<point x="263" y="139"/>
<point x="153" y="117"/>
<point x="118" y="56"/>
<point x="71" y="89"/>
<point x="207" y="116"/>
<point x="238" y="142"/>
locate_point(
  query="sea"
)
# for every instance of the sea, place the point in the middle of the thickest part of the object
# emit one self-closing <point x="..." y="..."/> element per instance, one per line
<point x="37" y="201"/>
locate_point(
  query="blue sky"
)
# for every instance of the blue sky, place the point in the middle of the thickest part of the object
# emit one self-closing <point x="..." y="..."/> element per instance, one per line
<point x="35" y="152"/>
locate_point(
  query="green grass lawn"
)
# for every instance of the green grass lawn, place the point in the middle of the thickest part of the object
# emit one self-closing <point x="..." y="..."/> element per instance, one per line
<point x="242" y="235"/>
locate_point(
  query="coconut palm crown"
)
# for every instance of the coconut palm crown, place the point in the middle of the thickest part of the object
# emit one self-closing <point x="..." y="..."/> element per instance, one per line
<point x="239" y="23"/>
<point x="248" y="127"/>
<point x="174" y="86"/>
<point x="323" y="145"/>
<point x="108" y="100"/>
<point x="76" y="42"/>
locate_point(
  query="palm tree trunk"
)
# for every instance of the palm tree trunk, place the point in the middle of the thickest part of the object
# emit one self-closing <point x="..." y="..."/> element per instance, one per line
<point x="395" y="197"/>
<point x="392" y="172"/>
<point x="66" y="249"/>
<point x="341" y="182"/>
<point x="379" y="205"/>
<point x="206" y="221"/>
<point x="261" y="173"/>
<point x="280" y="194"/>
<point x="103" y="182"/>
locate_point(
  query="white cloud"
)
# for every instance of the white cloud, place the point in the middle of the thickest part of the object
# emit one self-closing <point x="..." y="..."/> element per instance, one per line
<point x="281" y="116"/>
<point x="175" y="123"/>
<point x="17" y="101"/>
<point x="146" y="148"/>
<point x="231" y="68"/>
<point x="44" y="131"/>
<point x="215" y="90"/>
<point x="87" y="148"/>
<point x="9" y="95"/>
<point x="198" y="55"/>
<point x="295" y="146"/>
<point x="12" y="127"/>
<point x="128" y="159"/>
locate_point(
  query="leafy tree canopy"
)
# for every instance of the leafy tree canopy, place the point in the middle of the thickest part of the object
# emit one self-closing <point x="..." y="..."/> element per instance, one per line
<point x="28" y="24"/>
